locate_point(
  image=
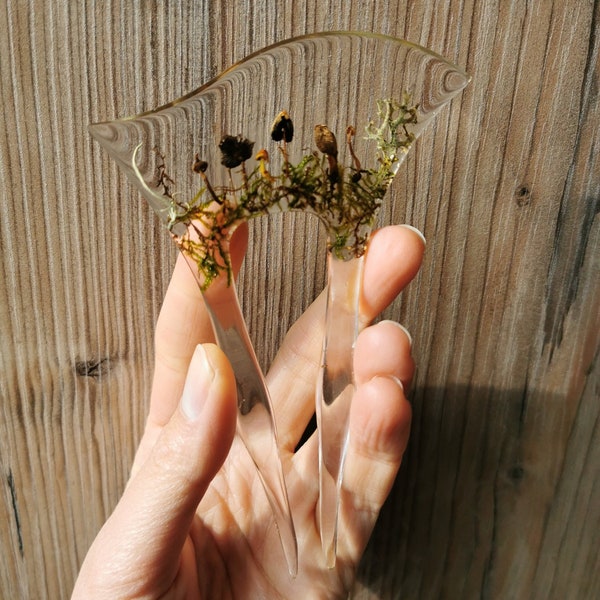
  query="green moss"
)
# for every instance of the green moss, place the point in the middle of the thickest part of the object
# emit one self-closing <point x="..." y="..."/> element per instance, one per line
<point x="347" y="198"/>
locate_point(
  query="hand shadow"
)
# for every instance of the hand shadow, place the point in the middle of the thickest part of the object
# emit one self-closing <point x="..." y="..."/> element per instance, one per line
<point x="470" y="507"/>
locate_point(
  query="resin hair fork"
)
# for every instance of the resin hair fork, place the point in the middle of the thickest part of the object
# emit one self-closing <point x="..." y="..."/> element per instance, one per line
<point x="343" y="110"/>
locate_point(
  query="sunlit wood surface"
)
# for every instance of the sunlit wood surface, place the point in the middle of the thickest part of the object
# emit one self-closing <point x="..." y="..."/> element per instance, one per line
<point x="499" y="495"/>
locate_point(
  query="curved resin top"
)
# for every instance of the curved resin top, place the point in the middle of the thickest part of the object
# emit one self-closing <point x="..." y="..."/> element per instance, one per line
<point x="355" y="103"/>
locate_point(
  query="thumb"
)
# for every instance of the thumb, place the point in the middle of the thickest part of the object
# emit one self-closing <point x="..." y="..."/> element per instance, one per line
<point x="146" y="533"/>
<point x="194" y="443"/>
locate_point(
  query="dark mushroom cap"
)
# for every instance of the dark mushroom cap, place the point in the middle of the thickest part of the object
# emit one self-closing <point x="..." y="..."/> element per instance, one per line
<point x="235" y="150"/>
<point x="282" y="128"/>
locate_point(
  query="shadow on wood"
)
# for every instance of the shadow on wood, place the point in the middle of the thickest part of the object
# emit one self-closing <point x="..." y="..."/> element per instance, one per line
<point x="481" y="505"/>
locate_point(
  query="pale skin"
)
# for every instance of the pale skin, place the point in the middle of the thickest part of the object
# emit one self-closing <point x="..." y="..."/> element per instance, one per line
<point x="193" y="521"/>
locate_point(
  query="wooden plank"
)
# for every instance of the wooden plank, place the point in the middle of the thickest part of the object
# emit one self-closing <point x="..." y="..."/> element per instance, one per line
<point x="499" y="494"/>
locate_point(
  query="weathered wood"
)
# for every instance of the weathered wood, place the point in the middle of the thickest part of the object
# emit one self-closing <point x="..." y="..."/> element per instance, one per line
<point x="499" y="494"/>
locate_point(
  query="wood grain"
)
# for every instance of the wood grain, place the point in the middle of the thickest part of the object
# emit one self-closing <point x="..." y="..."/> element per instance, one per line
<point x="499" y="494"/>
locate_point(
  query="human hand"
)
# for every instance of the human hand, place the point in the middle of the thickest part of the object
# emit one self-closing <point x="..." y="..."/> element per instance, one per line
<point x="193" y="521"/>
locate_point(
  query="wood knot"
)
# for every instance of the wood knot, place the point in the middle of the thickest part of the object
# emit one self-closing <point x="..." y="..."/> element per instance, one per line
<point x="523" y="196"/>
<point x="516" y="473"/>
<point x="94" y="368"/>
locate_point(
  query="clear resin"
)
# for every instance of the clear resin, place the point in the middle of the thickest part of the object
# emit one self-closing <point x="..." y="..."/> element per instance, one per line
<point x="319" y="123"/>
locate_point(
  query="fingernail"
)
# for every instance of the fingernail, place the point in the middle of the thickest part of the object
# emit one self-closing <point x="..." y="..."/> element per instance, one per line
<point x="197" y="384"/>
<point x="391" y="378"/>
<point x="406" y="332"/>
<point x="397" y="381"/>
<point x="419" y="233"/>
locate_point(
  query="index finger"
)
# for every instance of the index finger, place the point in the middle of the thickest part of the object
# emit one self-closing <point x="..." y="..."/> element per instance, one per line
<point x="183" y="323"/>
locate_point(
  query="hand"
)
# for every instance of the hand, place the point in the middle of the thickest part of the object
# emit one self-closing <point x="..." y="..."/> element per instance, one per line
<point x="193" y="521"/>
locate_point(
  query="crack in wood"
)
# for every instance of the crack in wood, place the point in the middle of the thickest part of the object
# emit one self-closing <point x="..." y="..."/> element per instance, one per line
<point x="564" y="278"/>
<point x="13" y="496"/>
